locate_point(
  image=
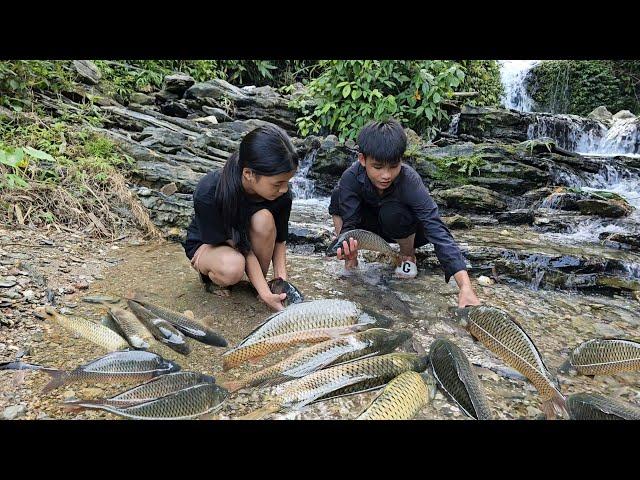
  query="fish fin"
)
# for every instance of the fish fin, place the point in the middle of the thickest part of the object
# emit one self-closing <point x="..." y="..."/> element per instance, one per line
<point x="58" y="378"/>
<point x="189" y="313"/>
<point x="234" y="385"/>
<point x="261" y="413"/>
<point x="566" y="367"/>
<point x="556" y="407"/>
<point x="375" y="397"/>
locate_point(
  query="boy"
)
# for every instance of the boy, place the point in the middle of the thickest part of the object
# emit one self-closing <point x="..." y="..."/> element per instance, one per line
<point x="381" y="194"/>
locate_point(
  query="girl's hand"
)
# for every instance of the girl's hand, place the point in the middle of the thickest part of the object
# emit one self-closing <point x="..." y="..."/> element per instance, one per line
<point x="350" y="254"/>
<point x="274" y="300"/>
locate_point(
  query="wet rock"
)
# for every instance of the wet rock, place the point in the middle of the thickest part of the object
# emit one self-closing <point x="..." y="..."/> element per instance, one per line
<point x="457" y="222"/>
<point x="470" y="198"/>
<point x="211" y="119"/>
<point x="607" y="330"/>
<point x="6" y="283"/>
<point x="604" y="208"/>
<point x="175" y="109"/>
<point x="141" y="99"/>
<point x="28" y="295"/>
<point x="219" y="113"/>
<point x="87" y="71"/>
<point x="169" y="189"/>
<point x="517" y="217"/>
<point x="601" y="114"/>
<point x="485" y="281"/>
<point x="483" y="122"/>
<point x="623" y="114"/>
<point x="308" y="233"/>
<point x="178" y="83"/>
<point x="628" y="241"/>
<point x="13" y="412"/>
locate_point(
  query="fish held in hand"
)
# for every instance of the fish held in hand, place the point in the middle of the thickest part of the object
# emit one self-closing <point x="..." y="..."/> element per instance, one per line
<point x="278" y="285"/>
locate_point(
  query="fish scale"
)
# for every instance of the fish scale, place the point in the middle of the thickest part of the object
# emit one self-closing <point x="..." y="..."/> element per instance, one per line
<point x="402" y="398"/>
<point x="606" y="356"/>
<point x="93" y="332"/>
<point x="186" y="325"/>
<point x="239" y="355"/>
<point x="503" y="336"/>
<point x="124" y="366"/>
<point x="325" y="313"/>
<point x="457" y="378"/>
<point x="184" y="404"/>
<point x="366" y="241"/>
<point x="348" y="378"/>
<point x="342" y="349"/>
<point x="160" y="329"/>
<point x="135" y="332"/>
<point x="154" y="388"/>
<point x="584" y="406"/>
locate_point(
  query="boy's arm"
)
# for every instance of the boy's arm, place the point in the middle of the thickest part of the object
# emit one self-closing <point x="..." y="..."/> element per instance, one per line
<point x="449" y="255"/>
<point x="350" y="201"/>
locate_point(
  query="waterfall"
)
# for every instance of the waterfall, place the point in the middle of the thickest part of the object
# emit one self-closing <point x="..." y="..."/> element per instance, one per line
<point x="303" y="187"/>
<point x="453" y="126"/>
<point x="513" y="74"/>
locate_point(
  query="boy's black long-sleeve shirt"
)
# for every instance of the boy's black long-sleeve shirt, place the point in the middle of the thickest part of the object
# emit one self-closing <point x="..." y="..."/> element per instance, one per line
<point x="355" y="189"/>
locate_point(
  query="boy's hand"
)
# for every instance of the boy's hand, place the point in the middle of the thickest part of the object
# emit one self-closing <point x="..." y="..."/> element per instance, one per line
<point x="467" y="297"/>
<point x="350" y="254"/>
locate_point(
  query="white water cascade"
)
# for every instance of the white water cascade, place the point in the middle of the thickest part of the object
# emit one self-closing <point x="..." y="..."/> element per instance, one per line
<point x="512" y="75"/>
<point x="303" y="187"/>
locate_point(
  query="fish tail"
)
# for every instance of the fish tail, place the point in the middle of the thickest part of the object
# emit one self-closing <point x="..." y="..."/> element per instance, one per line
<point x="234" y="385"/>
<point x="58" y="378"/>
<point x="555" y="407"/>
<point x="261" y="413"/>
<point x="77" y="405"/>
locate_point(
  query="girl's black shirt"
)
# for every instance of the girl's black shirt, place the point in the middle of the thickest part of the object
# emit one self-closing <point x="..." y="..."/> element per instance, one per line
<point x="207" y="225"/>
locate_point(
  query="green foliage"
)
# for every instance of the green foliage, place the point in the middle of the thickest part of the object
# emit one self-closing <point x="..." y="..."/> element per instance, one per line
<point x="465" y="165"/>
<point x="348" y="94"/>
<point x="39" y="153"/>
<point x="579" y="86"/>
<point x="19" y="79"/>
<point x="482" y="76"/>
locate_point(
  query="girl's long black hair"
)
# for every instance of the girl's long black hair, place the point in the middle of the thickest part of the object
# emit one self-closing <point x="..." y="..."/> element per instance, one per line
<point x="268" y="151"/>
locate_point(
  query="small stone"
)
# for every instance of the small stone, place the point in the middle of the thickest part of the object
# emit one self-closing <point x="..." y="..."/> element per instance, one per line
<point x="69" y="395"/>
<point x="91" y="392"/>
<point x="485" y="281"/>
<point x="169" y="189"/>
<point x="68" y="290"/>
<point x="71" y="305"/>
<point x="5" y="283"/>
<point x="212" y="120"/>
<point x="13" y="412"/>
<point x="533" y="411"/>
<point x="97" y="276"/>
<point x="43" y="416"/>
<point x="28" y="295"/>
<point x="81" y="285"/>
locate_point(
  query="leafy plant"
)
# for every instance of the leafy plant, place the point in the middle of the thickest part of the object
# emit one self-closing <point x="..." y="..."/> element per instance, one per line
<point x="465" y="165"/>
<point x="349" y="93"/>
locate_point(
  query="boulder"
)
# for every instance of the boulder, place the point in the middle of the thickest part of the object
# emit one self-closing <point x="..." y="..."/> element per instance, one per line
<point x="601" y="114"/>
<point x="87" y="71"/>
<point x="471" y="198"/>
<point x="178" y="83"/>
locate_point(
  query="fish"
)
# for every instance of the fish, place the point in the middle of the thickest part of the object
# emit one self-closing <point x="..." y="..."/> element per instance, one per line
<point x="115" y="367"/>
<point x="162" y="330"/>
<point x="586" y="406"/>
<point x="358" y="376"/>
<point x="253" y="351"/>
<point x="278" y="285"/>
<point x="185" y="404"/>
<point x="19" y="366"/>
<point x="345" y="348"/>
<point x="457" y="379"/>
<point x="366" y="241"/>
<point x="324" y="313"/>
<point x="99" y="299"/>
<point x="503" y="336"/>
<point x="189" y="326"/>
<point x="91" y="331"/>
<point x="148" y="391"/>
<point x="402" y="398"/>
<point x="134" y="331"/>
<point x="604" y="357"/>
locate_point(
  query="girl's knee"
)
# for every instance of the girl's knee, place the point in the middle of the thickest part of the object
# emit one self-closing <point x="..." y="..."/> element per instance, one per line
<point x="229" y="271"/>
<point x="262" y="223"/>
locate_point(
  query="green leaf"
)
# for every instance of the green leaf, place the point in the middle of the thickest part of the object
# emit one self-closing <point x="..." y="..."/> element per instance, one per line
<point x="346" y="91"/>
<point x="356" y="94"/>
<point x="436" y="97"/>
<point x="39" y="154"/>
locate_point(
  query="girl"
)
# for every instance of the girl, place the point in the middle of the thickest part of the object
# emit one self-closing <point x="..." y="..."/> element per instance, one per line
<point x="242" y="214"/>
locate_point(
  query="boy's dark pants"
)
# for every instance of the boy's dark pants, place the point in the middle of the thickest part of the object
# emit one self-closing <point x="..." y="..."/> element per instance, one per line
<point x="391" y="220"/>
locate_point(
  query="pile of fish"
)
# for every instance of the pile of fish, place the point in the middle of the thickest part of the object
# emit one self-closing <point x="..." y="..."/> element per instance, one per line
<point x="348" y="349"/>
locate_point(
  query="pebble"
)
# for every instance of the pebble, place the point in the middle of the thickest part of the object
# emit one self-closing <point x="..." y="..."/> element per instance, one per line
<point x="91" y="392"/>
<point x="43" y="416"/>
<point x="29" y="295"/>
<point x="81" y="285"/>
<point x="69" y="395"/>
<point x="13" y="412"/>
<point x="485" y="281"/>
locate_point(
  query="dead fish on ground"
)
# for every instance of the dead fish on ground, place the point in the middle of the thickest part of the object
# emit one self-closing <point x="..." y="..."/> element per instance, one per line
<point x="134" y="331"/>
<point x="585" y="406"/>
<point x="162" y="330"/>
<point x="603" y="357"/>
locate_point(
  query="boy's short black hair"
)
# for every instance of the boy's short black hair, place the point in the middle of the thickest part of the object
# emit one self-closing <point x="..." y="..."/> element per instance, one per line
<point x="384" y="141"/>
